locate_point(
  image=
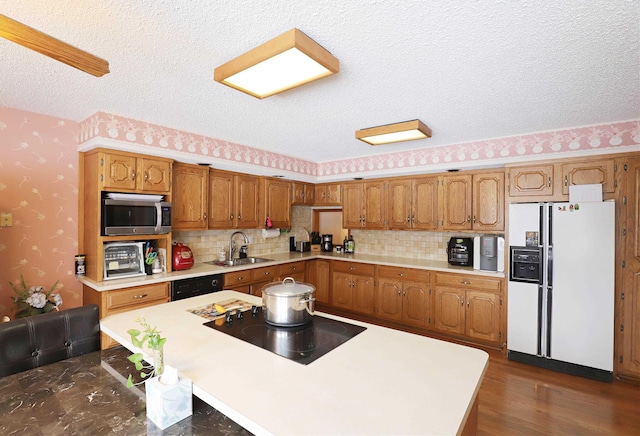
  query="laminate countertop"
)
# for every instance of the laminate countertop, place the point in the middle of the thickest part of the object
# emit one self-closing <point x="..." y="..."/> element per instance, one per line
<point x="382" y="381"/>
<point x="203" y="269"/>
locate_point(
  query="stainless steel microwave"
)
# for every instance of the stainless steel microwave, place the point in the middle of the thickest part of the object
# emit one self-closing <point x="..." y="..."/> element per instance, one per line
<point x="133" y="214"/>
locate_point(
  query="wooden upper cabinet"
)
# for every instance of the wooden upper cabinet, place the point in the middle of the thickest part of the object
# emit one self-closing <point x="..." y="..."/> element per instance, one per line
<point x="413" y="203"/>
<point x="591" y="172"/>
<point x="131" y="172"/>
<point x="328" y="194"/>
<point x="233" y="200"/>
<point x="190" y="196"/>
<point x="488" y="201"/>
<point x="375" y="206"/>
<point x="457" y="202"/>
<point x="474" y="202"/>
<point x="247" y="201"/>
<point x="364" y="205"/>
<point x="277" y="202"/>
<point x="303" y="193"/>
<point x="531" y="181"/>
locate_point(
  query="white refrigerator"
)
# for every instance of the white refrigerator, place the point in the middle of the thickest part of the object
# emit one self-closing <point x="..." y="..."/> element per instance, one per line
<point x="562" y="316"/>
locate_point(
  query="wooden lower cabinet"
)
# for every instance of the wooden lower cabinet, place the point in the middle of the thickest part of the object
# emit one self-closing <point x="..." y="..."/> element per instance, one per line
<point x="403" y="295"/>
<point x="319" y="275"/>
<point x="468" y="306"/>
<point x="123" y="300"/>
<point x="238" y="281"/>
<point x="353" y="286"/>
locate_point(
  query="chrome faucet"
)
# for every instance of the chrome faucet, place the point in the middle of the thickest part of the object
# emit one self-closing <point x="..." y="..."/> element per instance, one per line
<point x="231" y="247"/>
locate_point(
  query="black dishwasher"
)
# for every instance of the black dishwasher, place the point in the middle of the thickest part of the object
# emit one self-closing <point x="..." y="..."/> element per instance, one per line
<point x="193" y="287"/>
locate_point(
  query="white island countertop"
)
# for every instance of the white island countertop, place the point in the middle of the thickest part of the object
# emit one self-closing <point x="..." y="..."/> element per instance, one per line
<point x="382" y="381"/>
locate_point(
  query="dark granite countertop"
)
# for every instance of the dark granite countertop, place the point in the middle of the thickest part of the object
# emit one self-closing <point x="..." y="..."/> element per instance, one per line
<point x="87" y="395"/>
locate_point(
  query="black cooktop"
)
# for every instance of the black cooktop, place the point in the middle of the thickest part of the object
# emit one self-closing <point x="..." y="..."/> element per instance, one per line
<point x="302" y="344"/>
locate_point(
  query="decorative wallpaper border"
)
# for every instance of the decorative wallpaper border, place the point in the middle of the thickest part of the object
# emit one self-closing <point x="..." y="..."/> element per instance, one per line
<point x="589" y="139"/>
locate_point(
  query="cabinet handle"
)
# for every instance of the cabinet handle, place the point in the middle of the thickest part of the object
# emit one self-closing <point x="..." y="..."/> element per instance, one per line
<point x="465" y="282"/>
<point x="352" y="268"/>
<point x="146" y="176"/>
<point x="474" y="219"/>
<point x="401" y="274"/>
<point x="398" y="292"/>
<point x="549" y="182"/>
<point x="467" y="303"/>
<point x="133" y="175"/>
<point x="267" y="273"/>
<point x="413" y="219"/>
<point x="408" y="219"/>
<point x="137" y="297"/>
<point x="468" y="218"/>
<point x="204" y="216"/>
<point x="230" y="217"/>
<point x="404" y="293"/>
<point x="293" y="268"/>
<point x="238" y="217"/>
<point x="240" y="278"/>
<point x="566" y="180"/>
<point x="463" y="302"/>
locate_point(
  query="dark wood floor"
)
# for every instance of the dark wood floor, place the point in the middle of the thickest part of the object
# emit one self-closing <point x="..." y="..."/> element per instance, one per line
<point x="519" y="399"/>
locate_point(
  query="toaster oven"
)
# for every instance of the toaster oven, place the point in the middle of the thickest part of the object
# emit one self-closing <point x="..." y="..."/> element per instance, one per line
<point x="460" y="251"/>
<point x="123" y="259"/>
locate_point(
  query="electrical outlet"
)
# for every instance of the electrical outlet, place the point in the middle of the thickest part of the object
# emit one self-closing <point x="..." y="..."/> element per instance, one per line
<point x="6" y="219"/>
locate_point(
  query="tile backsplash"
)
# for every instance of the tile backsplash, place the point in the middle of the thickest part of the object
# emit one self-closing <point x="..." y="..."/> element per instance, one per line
<point x="206" y="244"/>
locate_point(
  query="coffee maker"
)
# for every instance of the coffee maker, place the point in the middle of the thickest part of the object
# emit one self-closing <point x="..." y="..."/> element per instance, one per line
<point x="327" y="243"/>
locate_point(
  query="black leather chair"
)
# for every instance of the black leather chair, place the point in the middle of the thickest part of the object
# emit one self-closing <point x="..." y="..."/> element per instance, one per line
<point x="34" y="341"/>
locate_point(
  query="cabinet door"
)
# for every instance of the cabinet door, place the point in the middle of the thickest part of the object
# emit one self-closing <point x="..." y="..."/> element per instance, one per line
<point x="318" y="274"/>
<point x="415" y="304"/>
<point x="399" y="204"/>
<point x="353" y="206"/>
<point x="246" y="198"/>
<point x="363" y="294"/>
<point x="221" y="200"/>
<point x="488" y="201"/>
<point x="597" y="171"/>
<point x="278" y="203"/>
<point x="155" y="175"/>
<point x="298" y="190"/>
<point x="450" y="310"/>
<point x="342" y="290"/>
<point x="531" y="180"/>
<point x="375" y="207"/>
<point x="389" y="300"/>
<point x="424" y="199"/>
<point x="457" y="202"/>
<point x="120" y="172"/>
<point x="630" y="306"/>
<point x="483" y="316"/>
<point x="190" y="197"/>
<point x="309" y="194"/>
<point x="333" y="194"/>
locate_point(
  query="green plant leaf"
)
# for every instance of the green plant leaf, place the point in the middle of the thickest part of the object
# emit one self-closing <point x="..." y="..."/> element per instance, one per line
<point x="130" y="381"/>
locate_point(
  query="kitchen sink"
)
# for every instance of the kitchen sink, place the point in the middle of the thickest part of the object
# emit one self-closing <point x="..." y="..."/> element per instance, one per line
<point x="238" y="262"/>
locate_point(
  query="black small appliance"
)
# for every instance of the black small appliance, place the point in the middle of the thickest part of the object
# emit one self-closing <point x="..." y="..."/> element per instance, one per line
<point x="327" y="243"/>
<point x="460" y="251"/>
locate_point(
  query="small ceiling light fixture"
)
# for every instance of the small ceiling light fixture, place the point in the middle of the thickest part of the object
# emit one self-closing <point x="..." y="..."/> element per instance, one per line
<point x="54" y="48"/>
<point x="289" y="60"/>
<point x="397" y="132"/>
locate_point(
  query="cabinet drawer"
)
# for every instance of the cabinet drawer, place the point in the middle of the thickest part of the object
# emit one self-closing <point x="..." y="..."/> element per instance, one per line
<point x="267" y="273"/>
<point x="138" y="295"/>
<point x="237" y="278"/>
<point x="393" y="272"/>
<point x="288" y="269"/>
<point x="468" y="281"/>
<point x="354" y="268"/>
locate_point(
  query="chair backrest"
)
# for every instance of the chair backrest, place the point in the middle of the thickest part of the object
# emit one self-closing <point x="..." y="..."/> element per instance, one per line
<point x="38" y="340"/>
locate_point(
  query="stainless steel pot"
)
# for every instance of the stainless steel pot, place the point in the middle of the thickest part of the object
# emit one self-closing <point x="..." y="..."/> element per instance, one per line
<point x="288" y="303"/>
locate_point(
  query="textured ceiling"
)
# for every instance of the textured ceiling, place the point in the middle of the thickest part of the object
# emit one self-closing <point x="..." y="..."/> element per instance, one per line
<point x="470" y="70"/>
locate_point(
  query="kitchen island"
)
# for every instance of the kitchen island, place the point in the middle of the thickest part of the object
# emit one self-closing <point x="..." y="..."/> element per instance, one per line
<point x="382" y="381"/>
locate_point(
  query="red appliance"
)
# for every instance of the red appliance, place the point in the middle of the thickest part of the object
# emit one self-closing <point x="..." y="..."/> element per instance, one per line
<point x="182" y="257"/>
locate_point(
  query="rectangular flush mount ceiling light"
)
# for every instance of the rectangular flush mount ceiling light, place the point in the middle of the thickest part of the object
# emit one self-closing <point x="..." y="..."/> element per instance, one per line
<point x="289" y="60"/>
<point x="405" y="131"/>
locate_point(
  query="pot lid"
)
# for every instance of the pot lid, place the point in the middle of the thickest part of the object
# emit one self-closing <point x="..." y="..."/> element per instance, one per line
<point x="288" y="287"/>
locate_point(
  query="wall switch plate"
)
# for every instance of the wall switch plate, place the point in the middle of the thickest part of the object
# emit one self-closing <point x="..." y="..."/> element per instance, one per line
<point x="6" y="219"/>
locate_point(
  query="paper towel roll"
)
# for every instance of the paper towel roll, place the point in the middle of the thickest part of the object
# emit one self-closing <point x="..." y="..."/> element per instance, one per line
<point x="270" y="233"/>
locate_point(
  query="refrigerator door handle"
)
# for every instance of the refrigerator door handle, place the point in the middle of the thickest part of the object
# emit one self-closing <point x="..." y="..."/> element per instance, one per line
<point x="549" y="306"/>
<point x="540" y="318"/>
